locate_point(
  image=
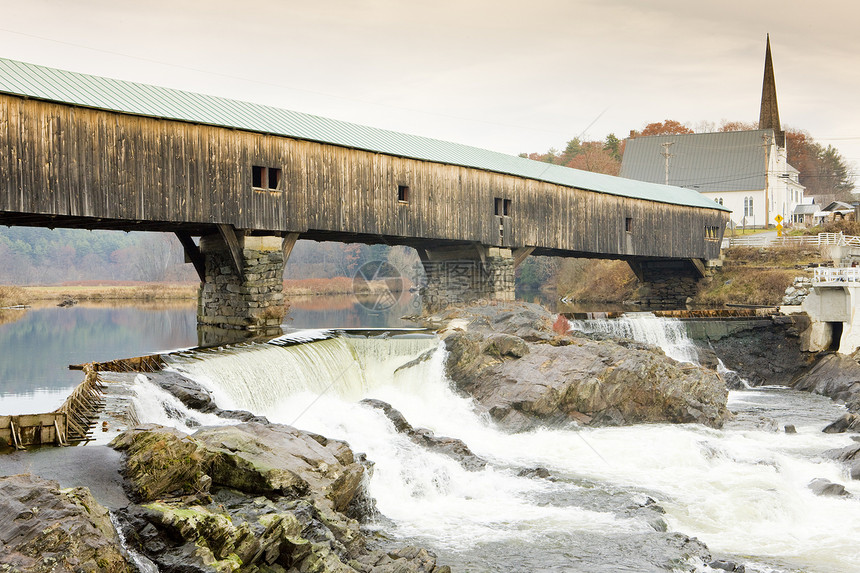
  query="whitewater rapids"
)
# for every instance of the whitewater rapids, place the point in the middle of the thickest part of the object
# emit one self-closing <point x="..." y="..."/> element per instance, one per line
<point x="741" y="490"/>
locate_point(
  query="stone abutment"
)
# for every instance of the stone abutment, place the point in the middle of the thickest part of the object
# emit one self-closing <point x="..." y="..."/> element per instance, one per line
<point x="465" y="274"/>
<point x="243" y="288"/>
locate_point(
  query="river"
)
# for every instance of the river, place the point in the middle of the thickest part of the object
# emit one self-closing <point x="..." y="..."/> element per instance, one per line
<point x="38" y="345"/>
<point x="742" y="489"/>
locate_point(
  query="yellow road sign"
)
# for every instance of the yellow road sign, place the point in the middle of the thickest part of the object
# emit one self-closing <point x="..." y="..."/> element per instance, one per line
<point x="778" y="218"/>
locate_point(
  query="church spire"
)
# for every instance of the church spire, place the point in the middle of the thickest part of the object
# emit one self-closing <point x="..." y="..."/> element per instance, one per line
<point x="769" y="116"/>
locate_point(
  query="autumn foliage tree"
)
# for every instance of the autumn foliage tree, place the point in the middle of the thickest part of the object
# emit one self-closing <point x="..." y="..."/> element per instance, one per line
<point x="667" y="127"/>
<point x="822" y="169"/>
<point x="596" y="156"/>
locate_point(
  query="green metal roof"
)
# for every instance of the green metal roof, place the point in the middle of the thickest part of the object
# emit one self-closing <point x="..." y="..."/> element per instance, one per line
<point x="30" y="80"/>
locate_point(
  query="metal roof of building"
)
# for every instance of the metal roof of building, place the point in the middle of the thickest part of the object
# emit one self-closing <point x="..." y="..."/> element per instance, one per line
<point x="39" y="82"/>
<point x="806" y="209"/>
<point x="725" y="161"/>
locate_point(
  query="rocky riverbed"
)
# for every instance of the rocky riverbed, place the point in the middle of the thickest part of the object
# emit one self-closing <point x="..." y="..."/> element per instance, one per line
<point x="250" y="497"/>
<point x="253" y="495"/>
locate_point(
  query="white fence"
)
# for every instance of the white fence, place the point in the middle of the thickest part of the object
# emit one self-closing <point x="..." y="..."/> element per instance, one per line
<point x="766" y="240"/>
<point x="836" y="275"/>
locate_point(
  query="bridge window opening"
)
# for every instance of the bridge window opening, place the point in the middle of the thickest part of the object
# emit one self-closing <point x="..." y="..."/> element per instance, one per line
<point x="403" y="193"/>
<point x="274" y="178"/>
<point x="712" y="233"/>
<point x="628" y="224"/>
<point x="257" y="175"/>
<point x="265" y="177"/>
<point x="502" y="207"/>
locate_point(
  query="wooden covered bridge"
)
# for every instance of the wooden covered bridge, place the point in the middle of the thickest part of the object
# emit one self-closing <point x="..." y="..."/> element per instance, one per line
<point x="82" y="151"/>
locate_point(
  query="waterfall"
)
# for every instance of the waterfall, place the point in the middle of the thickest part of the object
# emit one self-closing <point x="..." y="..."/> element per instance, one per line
<point x="668" y="334"/>
<point x="731" y="377"/>
<point x="157" y="406"/>
<point x="741" y="490"/>
<point x="257" y="376"/>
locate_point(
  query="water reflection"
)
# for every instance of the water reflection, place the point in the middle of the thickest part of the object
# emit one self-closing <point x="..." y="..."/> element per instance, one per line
<point x="552" y="302"/>
<point x="345" y="311"/>
<point x="37" y="347"/>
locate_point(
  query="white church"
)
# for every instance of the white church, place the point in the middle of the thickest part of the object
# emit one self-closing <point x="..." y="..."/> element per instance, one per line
<point x="747" y="171"/>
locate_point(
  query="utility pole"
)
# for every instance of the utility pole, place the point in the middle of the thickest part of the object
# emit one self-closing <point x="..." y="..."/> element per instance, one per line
<point x="667" y="155"/>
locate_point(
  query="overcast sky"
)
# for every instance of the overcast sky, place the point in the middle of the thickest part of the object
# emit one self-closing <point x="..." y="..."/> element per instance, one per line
<point x="512" y="76"/>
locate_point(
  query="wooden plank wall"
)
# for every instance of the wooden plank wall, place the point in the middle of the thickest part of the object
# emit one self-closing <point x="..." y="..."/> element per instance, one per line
<point x="31" y="429"/>
<point x="62" y="160"/>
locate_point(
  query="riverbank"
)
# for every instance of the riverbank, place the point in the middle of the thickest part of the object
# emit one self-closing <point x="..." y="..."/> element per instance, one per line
<point x="96" y="291"/>
<point x="748" y="276"/>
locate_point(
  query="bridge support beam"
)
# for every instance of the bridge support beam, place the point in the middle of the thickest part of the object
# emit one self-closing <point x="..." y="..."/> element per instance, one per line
<point x="465" y="274"/>
<point x="243" y="285"/>
<point x="667" y="283"/>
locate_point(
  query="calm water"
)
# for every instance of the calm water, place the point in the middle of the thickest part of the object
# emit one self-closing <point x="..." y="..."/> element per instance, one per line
<point x="37" y="348"/>
<point x="38" y="345"/>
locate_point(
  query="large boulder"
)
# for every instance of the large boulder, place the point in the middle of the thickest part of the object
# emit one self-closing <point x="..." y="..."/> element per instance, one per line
<point x="251" y="497"/>
<point x="845" y="423"/>
<point x="825" y="487"/>
<point x="836" y="376"/>
<point x="562" y="378"/>
<point x="255" y="458"/>
<point x="850" y="456"/>
<point x="47" y="529"/>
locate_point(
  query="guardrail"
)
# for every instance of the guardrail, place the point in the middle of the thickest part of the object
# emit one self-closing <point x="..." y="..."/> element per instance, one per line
<point x="821" y="239"/>
<point x="836" y="275"/>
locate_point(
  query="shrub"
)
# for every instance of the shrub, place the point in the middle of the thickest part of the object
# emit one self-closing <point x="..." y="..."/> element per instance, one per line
<point x="12" y="295"/>
<point x="746" y="286"/>
<point x="596" y="280"/>
<point x="561" y="325"/>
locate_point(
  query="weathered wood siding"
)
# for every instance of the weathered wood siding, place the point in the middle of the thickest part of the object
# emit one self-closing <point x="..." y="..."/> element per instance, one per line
<point x="70" y="161"/>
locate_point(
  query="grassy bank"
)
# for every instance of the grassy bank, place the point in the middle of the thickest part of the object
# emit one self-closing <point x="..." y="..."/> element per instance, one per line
<point x="95" y="293"/>
<point x="316" y="287"/>
<point x="755" y="275"/>
<point x="593" y="280"/>
<point x="12" y="295"/>
<point x="117" y="291"/>
<point x="750" y="275"/>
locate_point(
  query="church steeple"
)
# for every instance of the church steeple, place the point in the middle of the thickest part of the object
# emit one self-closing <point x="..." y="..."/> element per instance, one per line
<point x="769" y="116"/>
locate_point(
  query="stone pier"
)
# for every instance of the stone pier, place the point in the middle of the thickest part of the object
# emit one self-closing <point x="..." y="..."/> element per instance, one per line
<point x="464" y="274"/>
<point x="667" y="283"/>
<point x="243" y="287"/>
